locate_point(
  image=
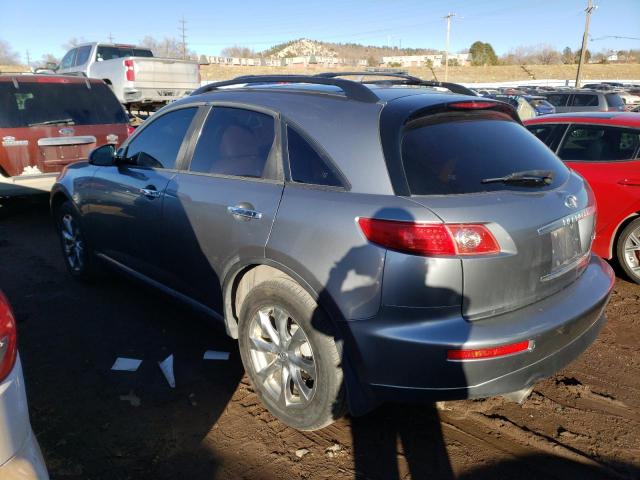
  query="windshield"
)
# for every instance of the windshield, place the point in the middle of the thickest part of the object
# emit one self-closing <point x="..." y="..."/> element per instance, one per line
<point x="455" y="153"/>
<point x="51" y="103"/>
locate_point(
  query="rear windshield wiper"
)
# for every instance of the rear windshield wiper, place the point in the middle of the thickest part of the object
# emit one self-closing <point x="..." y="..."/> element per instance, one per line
<point x="528" y="177"/>
<point x="67" y="121"/>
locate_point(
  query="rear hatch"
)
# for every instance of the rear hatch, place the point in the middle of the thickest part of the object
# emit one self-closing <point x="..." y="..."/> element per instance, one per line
<point x="165" y="73"/>
<point x="453" y="164"/>
<point x="49" y="123"/>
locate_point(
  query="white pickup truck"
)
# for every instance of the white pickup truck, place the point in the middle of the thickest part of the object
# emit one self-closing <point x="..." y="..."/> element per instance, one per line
<point x="138" y="79"/>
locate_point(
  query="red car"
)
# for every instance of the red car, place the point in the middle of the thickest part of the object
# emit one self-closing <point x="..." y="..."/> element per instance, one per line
<point x="604" y="147"/>
<point x="50" y="121"/>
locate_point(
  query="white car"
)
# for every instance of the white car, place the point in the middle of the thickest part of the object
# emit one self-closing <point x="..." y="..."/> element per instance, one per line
<point x="20" y="456"/>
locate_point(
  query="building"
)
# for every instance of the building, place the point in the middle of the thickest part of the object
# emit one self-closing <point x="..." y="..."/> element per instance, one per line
<point x="436" y="60"/>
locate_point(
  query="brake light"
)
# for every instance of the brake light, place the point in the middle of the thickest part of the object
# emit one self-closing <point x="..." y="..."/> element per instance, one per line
<point x="8" y="340"/>
<point x="430" y="239"/>
<point x="130" y="130"/>
<point x="492" y="352"/>
<point x="472" y="105"/>
<point x="130" y="73"/>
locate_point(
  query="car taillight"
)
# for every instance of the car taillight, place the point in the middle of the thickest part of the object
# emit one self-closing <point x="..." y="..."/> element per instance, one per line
<point x="130" y="73"/>
<point x="8" y="340"/>
<point x="430" y="239"/>
<point x="472" y="105"/>
<point x="130" y="130"/>
<point x="490" y="352"/>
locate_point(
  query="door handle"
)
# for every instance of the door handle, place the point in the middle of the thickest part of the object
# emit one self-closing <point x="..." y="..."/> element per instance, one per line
<point x="244" y="213"/>
<point x="150" y="192"/>
<point x="630" y="182"/>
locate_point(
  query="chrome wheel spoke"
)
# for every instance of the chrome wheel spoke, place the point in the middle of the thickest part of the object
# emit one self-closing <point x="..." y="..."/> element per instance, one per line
<point x="262" y="345"/>
<point x="267" y="328"/>
<point x="285" y="397"/>
<point x="297" y="340"/>
<point x="271" y="369"/>
<point x="304" y="391"/>
<point x="306" y="364"/>
<point x="282" y="326"/>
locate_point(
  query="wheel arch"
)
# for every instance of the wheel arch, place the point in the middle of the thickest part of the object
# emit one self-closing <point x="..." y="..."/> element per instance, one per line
<point x="618" y="231"/>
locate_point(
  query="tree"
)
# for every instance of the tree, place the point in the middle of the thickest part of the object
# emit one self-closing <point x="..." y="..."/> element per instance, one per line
<point x="238" y="52"/>
<point x="47" y="60"/>
<point x="168" y="48"/>
<point x="7" y="55"/>
<point x="587" y="55"/>
<point x="482" y="54"/>
<point x="567" y="56"/>
<point x="547" y="55"/>
<point x="373" y="61"/>
<point x="72" y="43"/>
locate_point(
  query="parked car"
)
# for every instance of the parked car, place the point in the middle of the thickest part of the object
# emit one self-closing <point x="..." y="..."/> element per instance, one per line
<point x="137" y="78"/>
<point x="20" y="456"/>
<point x="584" y="101"/>
<point x="50" y="121"/>
<point x="537" y="104"/>
<point x="424" y="247"/>
<point x="605" y="149"/>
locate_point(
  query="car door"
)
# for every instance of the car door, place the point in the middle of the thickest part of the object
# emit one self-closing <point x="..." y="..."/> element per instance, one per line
<point x="125" y="200"/>
<point x="607" y="157"/>
<point x="220" y="211"/>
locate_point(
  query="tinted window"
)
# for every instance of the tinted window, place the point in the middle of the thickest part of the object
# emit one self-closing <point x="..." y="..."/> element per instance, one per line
<point x="580" y="100"/>
<point x="234" y="142"/>
<point x="67" y="60"/>
<point x="597" y="142"/>
<point x="307" y="166"/>
<point x="544" y="132"/>
<point x="558" y="99"/>
<point x="615" y="100"/>
<point x="456" y="153"/>
<point x="70" y="103"/>
<point x="109" y="53"/>
<point x="158" y="144"/>
<point x="83" y="55"/>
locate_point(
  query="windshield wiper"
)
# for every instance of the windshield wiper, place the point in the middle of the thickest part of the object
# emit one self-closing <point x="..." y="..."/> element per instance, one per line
<point x="67" y="121"/>
<point x="527" y="177"/>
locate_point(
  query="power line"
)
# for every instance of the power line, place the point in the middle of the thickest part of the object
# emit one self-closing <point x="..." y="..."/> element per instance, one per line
<point x="110" y="37"/>
<point x="589" y="10"/>
<point x="183" y="30"/>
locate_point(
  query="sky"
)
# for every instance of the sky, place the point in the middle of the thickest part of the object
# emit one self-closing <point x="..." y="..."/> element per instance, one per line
<point x="43" y="27"/>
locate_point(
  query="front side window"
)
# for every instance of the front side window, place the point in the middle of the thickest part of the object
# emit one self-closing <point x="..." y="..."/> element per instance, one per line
<point x="580" y="100"/>
<point x="307" y="165"/>
<point x="158" y="144"/>
<point x="599" y="143"/>
<point x="83" y="55"/>
<point x="67" y="60"/>
<point x="234" y="142"/>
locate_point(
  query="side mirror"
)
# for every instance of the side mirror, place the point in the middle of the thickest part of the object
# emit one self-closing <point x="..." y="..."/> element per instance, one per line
<point x="104" y="156"/>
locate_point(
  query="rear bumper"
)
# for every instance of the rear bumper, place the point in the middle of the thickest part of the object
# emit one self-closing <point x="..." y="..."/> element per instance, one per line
<point x="27" y="464"/>
<point x="401" y="354"/>
<point x="155" y="94"/>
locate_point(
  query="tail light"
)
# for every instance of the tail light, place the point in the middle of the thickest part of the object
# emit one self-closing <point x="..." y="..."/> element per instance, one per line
<point x="8" y="340"/>
<point x="490" y="352"/>
<point x="130" y="73"/>
<point x="130" y="130"/>
<point x="430" y="239"/>
<point x="472" y="105"/>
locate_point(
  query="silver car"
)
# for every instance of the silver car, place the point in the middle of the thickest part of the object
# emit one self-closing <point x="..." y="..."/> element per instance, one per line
<point x="20" y="457"/>
<point x="364" y="241"/>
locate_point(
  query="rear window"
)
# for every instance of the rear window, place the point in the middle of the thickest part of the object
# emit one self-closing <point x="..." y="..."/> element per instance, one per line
<point x="453" y="154"/>
<point x="109" y="53"/>
<point x="614" y="100"/>
<point x="71" y="103"/>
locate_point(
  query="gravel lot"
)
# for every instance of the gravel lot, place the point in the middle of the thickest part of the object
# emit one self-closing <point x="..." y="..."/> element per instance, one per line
<point x="93" y="423"/>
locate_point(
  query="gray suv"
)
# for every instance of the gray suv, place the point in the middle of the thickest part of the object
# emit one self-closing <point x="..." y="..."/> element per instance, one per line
<point x="364" y="241"/>
<point x="585" y="101"/>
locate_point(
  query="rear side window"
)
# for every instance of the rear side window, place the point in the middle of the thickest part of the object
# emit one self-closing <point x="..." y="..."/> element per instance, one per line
<point x="83" y="55"/>
<point x="453" y="154"/>
<point x="32" y="104"/>
<point x="157" y="146"/>
<point x="558" y="99"/>
<point x="307" y="165"/>
<point x="599" y="143"/>
<point x="234" y="142"/>
<point x="549" y="133"/>
<point x="581" y="100"/>
<point x="615" y="100"/>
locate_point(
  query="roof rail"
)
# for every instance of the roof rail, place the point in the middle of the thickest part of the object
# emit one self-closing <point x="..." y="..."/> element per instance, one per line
<point x="401" y="79"/>
<point x="352" y="90"/>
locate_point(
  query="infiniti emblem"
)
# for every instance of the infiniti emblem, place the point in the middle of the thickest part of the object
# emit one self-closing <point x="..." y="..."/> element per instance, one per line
<point x="571" y="201"/>
<point x="66" y="131"/>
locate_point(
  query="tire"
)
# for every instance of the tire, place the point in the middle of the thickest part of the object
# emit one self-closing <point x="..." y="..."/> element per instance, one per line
<point x="628" y="250"/>
<point x="78" y="257"/>
<point x="314" y="396"/>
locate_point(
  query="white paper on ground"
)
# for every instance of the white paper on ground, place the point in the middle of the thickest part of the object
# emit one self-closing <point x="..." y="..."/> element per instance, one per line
<point x="215" y="355"/>
<point x="126" y="364"/>
<point x="167" y="368"/>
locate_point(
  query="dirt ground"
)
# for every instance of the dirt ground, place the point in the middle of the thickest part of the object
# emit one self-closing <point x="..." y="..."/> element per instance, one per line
<point x="93" y="423"/>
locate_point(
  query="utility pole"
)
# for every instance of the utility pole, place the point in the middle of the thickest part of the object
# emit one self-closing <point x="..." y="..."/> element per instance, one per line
<point x="183" y="31"/>
<point x="589" y="10"/>
<point x="110" y="38"/>
<point x="28" y="59"/>
<point x="446" y="48"/>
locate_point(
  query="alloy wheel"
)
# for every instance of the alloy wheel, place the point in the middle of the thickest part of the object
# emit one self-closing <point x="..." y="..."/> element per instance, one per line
<point x="632" y="251"/>
<point x="72" y="243"/>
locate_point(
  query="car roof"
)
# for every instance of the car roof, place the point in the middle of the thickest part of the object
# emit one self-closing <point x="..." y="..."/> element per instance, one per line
<point x="628" y="119"/>
<point x="46" y="78"/>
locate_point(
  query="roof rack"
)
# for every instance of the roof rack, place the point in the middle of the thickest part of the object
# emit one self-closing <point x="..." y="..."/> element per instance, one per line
<point x="352" y="90"/>
<point x="400" y="79"/>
